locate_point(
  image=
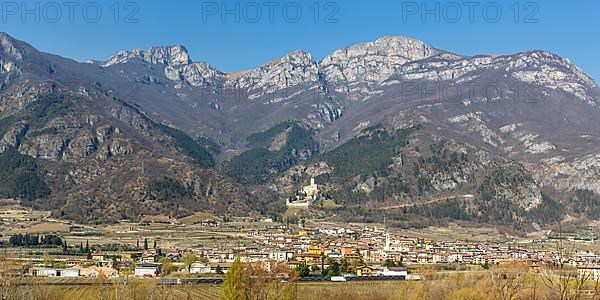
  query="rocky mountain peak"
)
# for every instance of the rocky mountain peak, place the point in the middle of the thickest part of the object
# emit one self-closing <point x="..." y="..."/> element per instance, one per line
<point x="373" y="61"/>
<point x="178" y="66"/>
<point x="296" y="68"/>
<point x="545" y="61"/>
<point x="300" y="57"/>
<point x="167" y="55"/>
<point x="171" y="55"/>
<point x="410" y="48"/>
<point x="123" y="57"/>
<point x="389" y="46"/>
<point x="9" y="46"/>
<point x="546" y="69"/>
<point x="11" y="56"/>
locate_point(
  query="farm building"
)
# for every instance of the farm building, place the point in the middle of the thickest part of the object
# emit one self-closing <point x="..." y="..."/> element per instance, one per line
<point x="394" y="271"/>
<point x="95" y="271"/>
<point x="52" y="272"/>
<point x="147" y="270"/>
<point x="199" y="268"/>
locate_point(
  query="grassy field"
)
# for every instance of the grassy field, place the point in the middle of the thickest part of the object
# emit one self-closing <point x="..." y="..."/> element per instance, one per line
<point x="514" y="282"/>
<point x="41" y="228"/>
<point x="166" y="292"/>
<point x="146" y="290"/>
<point x="352" y="290"/>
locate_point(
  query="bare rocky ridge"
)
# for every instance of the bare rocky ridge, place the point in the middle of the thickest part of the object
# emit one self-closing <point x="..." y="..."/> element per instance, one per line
<point x="173" y="55"/>
<point x="355" y="69"/>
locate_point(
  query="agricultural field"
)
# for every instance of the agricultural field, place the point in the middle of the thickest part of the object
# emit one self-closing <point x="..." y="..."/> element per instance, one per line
<point x="184" y="233"/>
<point x="145" y="289"/>
<point x="140" y="292"/>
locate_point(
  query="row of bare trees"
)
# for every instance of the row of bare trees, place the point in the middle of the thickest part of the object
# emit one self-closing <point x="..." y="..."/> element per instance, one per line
<point x="258" y="281"/>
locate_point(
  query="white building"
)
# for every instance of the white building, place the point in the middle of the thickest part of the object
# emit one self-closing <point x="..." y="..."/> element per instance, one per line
<point x="394" y="271"/>
<point x="51" y="272"/>
<point x="200" y="268"/>
<point x="147" y="270"/>
<point x="589" y="272"/>
<point x="210" y="268"/>
<point x="455" y="258"/>
<point x="311" y="190"/>
<point x="281" y="255"/>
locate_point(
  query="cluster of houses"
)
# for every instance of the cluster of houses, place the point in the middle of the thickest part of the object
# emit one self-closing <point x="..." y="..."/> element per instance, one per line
<point x="363" y="251"/>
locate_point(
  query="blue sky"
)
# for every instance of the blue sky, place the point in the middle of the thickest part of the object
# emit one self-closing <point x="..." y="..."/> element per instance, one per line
<point x="563" y="27"/>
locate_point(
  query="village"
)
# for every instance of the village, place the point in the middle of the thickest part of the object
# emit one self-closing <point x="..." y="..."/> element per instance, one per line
<point x="205" y="246"/>
<point x="342" y="251"/>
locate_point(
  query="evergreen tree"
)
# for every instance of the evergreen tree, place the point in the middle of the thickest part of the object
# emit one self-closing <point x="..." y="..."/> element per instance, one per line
<point x="303" y="270"/>
<point x="219" y="270"/>
<point x="344" y="266"/>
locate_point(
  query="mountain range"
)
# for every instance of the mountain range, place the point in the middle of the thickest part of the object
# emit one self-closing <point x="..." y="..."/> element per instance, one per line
<point x="394" y="125"/>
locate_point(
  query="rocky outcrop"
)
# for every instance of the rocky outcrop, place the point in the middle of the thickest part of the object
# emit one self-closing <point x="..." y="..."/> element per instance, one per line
<point x="564" y="174"/>
<point x="45" y="146"/>
<point x="8" y="47"/>
<point x="294" y="69"/>
<point x="118" y="147"/>
<point x="171" y="55"/>
<point x="130" y="117"/>
<point x="372" y="62"/>
<point x="174" y="55"/>
<point x="10" y="57"/>
<point x="473" y="122"/>
<point x="7" y="66"/>
<point x="103" y="133"/>
<point x="196" y="74"/>
<point x="82" y="146"/>
<point x="13" y="136"/>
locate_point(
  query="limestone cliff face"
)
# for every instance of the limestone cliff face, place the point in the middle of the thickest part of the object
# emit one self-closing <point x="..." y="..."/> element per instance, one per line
<point x="10" y="55"/>
<point x="172" y="55"/>
<point x="355" y="69"/>
<point x="13" y="136"/>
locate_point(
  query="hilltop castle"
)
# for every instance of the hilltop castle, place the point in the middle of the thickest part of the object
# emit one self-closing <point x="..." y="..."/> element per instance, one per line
<point x="305" y="196"/>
